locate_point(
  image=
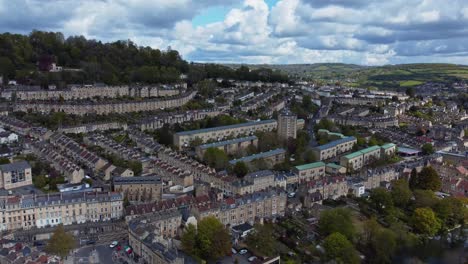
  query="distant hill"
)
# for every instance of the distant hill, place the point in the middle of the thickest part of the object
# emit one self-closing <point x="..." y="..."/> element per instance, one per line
<point x="388" y="76"/>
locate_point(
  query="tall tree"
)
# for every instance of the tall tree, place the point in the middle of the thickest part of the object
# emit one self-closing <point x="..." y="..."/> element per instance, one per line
<point x="338" y="248"/>
<point x="216" y="158"/>
<point x="240" y="169"/>
<point x="401" y="193"/>
<point x="262" y="241"/>
<point x="381" y="199"/>
<point x="210" y="241"/>
<point x="61" y="242"/>
<point x="428" y="179"/>
<point x="413" y="180"/>
<point x="337" y="220"/>
<point x="425" y="221"/>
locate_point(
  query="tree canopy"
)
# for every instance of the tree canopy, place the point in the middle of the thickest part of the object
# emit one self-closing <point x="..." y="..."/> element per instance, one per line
<point x="425" y="221"/>
<point x="61" y="242"/>
<point x="216" y="158"/>
<point x="210" y="241"/>
<point x="240" y="169"/>
<point x="340" y="249"/>
<point x="262" y="241"/>
<point x="337" y="220"/>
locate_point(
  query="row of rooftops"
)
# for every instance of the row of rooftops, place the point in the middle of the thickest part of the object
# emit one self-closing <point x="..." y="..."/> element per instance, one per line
<point x="204" y="202"/>
<point x="86" y="102"/>
<point x="29" y="201"/>
<point x="260" y="155"/>
<point x="227" y="142"/>
<point x="335" y="143"/>
<point x="136" y="180"/>
<point x="212" y="129"/>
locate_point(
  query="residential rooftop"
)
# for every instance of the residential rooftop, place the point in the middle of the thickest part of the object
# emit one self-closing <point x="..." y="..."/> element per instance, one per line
<point x="310" y="166"/>
<point x="247" y="124"/>
<point x="259" y="156"/>
<point x="335" y="143"/>
<point x="227" y="142"/>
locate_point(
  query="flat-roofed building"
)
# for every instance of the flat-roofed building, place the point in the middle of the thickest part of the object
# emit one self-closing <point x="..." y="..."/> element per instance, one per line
<point x="310" y="171"/>
<point x="139" y="189"/>
<point x="287" y="124"/>
<point x="358" y="159"/>
<point x="334" y="148"/>
<point x="228" y="146"/>
<point x="388" y="149"/>
<point x="183" y="139"/>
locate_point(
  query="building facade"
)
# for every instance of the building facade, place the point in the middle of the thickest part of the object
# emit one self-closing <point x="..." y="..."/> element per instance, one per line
<point x="28" y="211"/>
<point x="287" y="125"/>
<point x="14" y="175"/>
<point x="139" y="189"/>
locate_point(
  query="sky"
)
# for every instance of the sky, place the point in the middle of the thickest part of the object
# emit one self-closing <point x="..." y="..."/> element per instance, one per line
<point x="366" y="32"/>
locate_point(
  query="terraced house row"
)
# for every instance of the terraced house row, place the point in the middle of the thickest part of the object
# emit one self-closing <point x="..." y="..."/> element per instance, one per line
<point x="105" y="107"/>
<point x="183" y="139"/>
<point x="87" y="92"/>
<point x="29" y="211"/>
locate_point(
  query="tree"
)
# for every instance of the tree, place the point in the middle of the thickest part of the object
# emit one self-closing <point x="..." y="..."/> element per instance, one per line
<point x="424" y="198"/>
<point x="413" y="180"/>
<point x="337" y="220"/>
<point x="427" y="149"/>
<point x="380" y="241"/>
<point x="4" y="161"/>
<point x="424" y="221"/>
<point x="410" y="92"/>
<point x="210" y="241"/>
<point x="40" y="181"/>
<point x="262" y="241"/>
<point x="339" y="248"/>
<point x="213" y="238"/>
<point x="61" y="242"/>
<point x="401" y="193"/>
<point x="189" y="239"/>
<point x="381" y="199"/>
<point x="428" y="179"/>
<point x="451" y="211"/>
<point x="240" y="169"/>
<point x="216" y="158"/>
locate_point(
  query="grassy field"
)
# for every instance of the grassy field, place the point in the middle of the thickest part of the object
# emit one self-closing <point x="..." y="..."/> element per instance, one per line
<point x="410" y="83"/>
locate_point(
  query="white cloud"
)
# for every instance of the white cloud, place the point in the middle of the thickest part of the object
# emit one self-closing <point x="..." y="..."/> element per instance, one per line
<point x="292" y="31"/>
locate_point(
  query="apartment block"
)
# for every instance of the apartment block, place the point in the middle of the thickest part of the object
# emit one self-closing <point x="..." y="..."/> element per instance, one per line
<point x="334" y="148"/>
<point x="287" y="124"/>
<point x="30" y="211"/>
<point x="271" y="157"/>
<point x="183" y="139"/>
<point x="358" y="159"/>
<point x="231" y="146"/>
<point x="14" y="175"/>
<point x="310" y="171"/>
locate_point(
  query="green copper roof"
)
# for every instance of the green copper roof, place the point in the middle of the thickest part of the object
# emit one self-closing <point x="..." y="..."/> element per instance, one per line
<point x="310" y="165"/>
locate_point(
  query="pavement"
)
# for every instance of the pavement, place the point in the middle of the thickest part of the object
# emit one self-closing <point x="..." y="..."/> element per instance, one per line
<point x="101" y="254"/>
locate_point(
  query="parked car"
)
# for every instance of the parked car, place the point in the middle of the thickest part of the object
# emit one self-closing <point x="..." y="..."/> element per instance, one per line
<point x="252" y="258"/>
<point x="113" y="244"/>
<point x="243" y="251"/>
<point x="90" y="242"/>
<point x="234" y="251"/>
